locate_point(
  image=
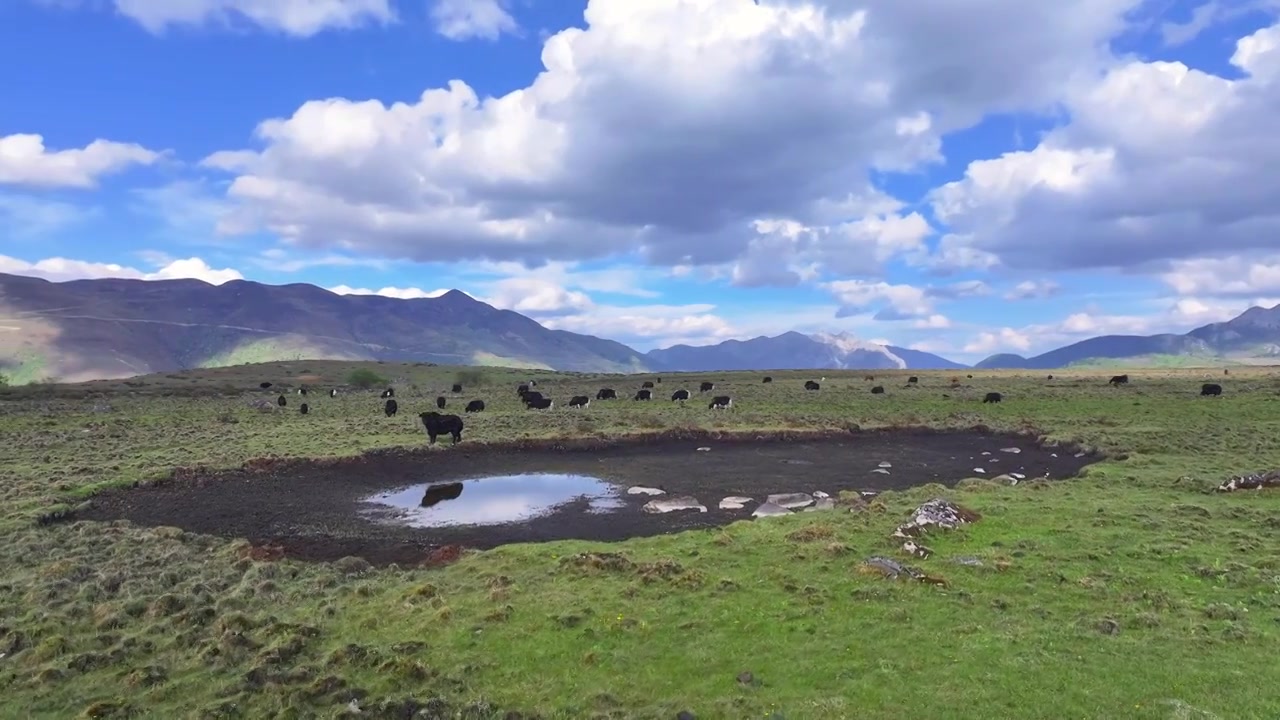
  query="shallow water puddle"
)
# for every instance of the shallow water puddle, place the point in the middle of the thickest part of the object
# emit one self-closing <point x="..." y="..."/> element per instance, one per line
<point x="493" y="500"/>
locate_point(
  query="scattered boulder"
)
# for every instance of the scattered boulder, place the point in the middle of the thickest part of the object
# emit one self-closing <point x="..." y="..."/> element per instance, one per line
<point x="1255" y="481"/>
<point x="980" y="470"/>
<point x="769" y="509"/>
<point x="936" y="513"/>
<point x="735" y="502"/>
<point x="880" y="471"/>
<point x="704" y="449"/>
<point x="641" y="490"/>
<point x="894" y="570"/>
<point x="680" y="502"/>
<point x="911" y="547"/>
<point x="1006" y="478"/>
<point x="820" y="495"/>
<point x="885" y="464"/>
<point x="1011" y="450"/>
<point x="822" y="504"/>
<point x="790" y="500"/>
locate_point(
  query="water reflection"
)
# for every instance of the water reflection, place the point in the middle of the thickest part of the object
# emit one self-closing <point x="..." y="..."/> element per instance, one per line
<point x="493" y="500"/>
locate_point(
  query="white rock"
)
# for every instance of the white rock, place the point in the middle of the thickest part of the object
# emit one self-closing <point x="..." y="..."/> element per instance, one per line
<point x="735" y="502"/>
<point x="886" y="464"/>
<point x="790" y="500"/>
<point x="820" y="495"/>
<point x="704" y="449"/>
<point x="770" y="510"/>
<point x="683" y="502"/>
<point x="641" y="490"/>
<point x="980" y="470"/>
<point x="1011" y="450"/>
<point x="882" y="471"/>
<point x="823" y="504"/>
<point x="1019" y="476"/>
<point x="985" y="452"/>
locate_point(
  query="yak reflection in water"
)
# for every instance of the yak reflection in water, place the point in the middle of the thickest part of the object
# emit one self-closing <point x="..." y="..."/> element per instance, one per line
<point x="437" y="494"/>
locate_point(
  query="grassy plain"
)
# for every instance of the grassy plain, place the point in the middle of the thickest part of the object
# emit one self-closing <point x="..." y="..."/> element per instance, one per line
<point x="1127" y="593"/>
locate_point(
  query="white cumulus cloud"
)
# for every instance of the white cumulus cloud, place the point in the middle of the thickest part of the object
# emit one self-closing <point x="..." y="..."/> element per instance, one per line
<point x="24" y="160"/>
<point x="302" y="18"/>
<point x="670" y="127"/>
<point x="467" y="19"/>
<point x="60" y="269"/>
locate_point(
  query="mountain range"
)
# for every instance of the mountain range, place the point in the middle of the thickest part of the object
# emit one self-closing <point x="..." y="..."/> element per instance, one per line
<point x="103" y="328"/>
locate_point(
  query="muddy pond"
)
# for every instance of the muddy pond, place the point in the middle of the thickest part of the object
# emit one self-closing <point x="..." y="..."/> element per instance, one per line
<point x="396" y="507"/>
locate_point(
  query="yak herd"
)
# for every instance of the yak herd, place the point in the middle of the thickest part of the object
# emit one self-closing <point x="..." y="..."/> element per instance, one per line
<point x="437" y="424"/>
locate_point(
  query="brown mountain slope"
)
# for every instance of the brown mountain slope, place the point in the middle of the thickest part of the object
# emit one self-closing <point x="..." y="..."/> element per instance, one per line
<point x="114" y="328"/>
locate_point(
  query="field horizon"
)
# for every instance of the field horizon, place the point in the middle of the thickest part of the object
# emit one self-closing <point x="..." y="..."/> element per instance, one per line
<point x="1128" y="590"/>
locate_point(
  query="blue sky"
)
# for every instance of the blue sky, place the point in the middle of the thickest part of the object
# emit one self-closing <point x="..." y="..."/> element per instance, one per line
<point x="1007" y="178"/>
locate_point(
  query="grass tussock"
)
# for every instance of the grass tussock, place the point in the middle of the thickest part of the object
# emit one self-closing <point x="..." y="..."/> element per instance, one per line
<point x="1131" y="592"/>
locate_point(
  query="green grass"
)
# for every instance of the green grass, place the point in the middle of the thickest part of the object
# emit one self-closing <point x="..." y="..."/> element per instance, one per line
<point x="1154" y="361"/>
<point x="110" y="619"/>
<point x="286" y="349"/>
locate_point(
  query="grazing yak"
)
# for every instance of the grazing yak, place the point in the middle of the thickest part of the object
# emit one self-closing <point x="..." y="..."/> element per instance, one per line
<point x="391" y="408"/>
<point x="522" y="389"/>
<point x="606" y="394"/>
<point x="540" y="403"/>
<point x="579" y="401"/>
<point x="304" y="409"/>
<point x="281" y="401"/>
<point x="877" y="390"/>
<point x="1211" y="389"/>
<point x="437" y="424"/>
<point x="475" y="406"/>
<point x="333" y="393"/>
<point x="457" y="388"/>
<point x="647" y="384"/>
<point x="531" y="397"/>
<point x="868" y="378"/>
<point x="811" y="385"/>
<point x="441" y="402"/>
<point x="643" y="395"/>
<point x="1049" y="378"/>
<point x="913" y="380"/>
<point x="706" y="387"/>
<point x="302" y="390"/>
<point x="1118" y="380"/>
<point x="389" y="392"/>
<point x="264" y="385"/>
<point x="767" y="379"/>
<point x="440" y="492"/>
<point x="679" y="395"/>
<point x="720" y="402"/>
<point x="992" y="397"/>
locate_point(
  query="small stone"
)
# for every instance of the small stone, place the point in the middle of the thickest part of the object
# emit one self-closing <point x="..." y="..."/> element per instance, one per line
<point x="1019" y="476"/>
<point x="881" y="471"/>
<point x="683" y="502"/>
<point x="1053" y="454"/>
<point x="704" y="449"/>
<point x="886" y="464"/>
<point x="1011" y="450"/>
<point x="735" y="502"/>
<point x="770" y="510"/>
<point x="822" y="504"/>
<point x="790" y="500"/>
<point x="1079" y="454"/>
<point x="986" y="452"/>
<point x="980" y="470"/>
<point x="1006" y="479"/>
<point x="820" y="495"/>
<point x="641" y="490"/>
